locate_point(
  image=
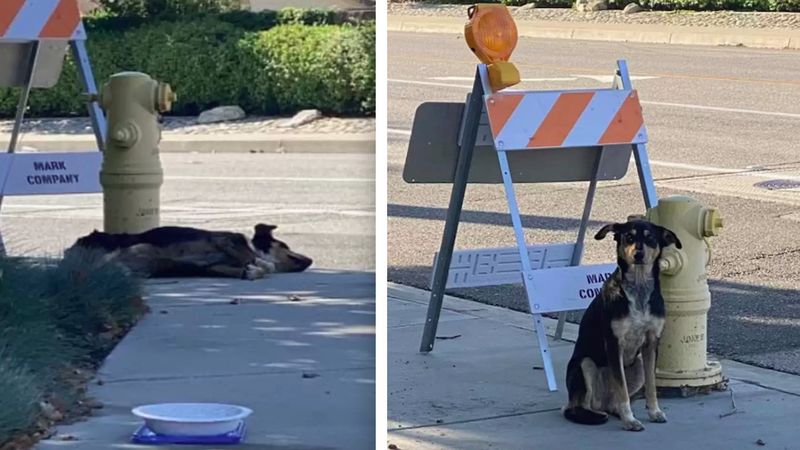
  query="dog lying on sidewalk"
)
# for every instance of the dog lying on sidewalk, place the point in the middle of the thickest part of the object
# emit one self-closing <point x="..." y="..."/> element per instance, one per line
<point x="615" y="353"/>
<point x="192" y="252"/>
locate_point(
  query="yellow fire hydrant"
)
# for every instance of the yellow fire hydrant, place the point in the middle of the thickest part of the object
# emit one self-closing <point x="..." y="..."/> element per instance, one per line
<point x="131" y="173"/>
<point x="682" y="362"/>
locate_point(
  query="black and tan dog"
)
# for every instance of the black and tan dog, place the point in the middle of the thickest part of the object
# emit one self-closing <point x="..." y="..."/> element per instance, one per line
<point x="192" y="252"/>
<point x="615" y="353"/>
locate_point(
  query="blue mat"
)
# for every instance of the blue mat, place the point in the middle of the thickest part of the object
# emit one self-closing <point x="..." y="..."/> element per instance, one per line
<point x="145" y="435"/>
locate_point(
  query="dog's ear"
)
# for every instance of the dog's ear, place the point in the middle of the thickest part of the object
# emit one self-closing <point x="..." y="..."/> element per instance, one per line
<point x="265" y="229"/>
<point x="668" y="238"/>
<point x="604" y="231"/>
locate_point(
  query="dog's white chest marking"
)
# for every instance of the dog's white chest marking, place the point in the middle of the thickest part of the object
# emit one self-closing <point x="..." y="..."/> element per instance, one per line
<point x="632" y="330"/>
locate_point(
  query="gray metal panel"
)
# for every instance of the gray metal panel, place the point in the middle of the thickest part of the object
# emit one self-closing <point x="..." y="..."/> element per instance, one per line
<point x="15" y="57"/>
<point x="498" y="266"/>
<point x="433" y="151"/>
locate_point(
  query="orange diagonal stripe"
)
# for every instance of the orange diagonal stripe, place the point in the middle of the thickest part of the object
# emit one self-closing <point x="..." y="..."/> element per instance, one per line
<point x="63" y="21"/>
<point x="561" y="119"/>
<point x="626" y="122"/>
<point x="8" y="11"/>
<point x="500" y="108"/>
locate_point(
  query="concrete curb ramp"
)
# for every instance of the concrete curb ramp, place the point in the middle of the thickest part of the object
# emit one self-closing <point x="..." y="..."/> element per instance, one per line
<point x="217" y="143"/>
<point x="656" y="34"/>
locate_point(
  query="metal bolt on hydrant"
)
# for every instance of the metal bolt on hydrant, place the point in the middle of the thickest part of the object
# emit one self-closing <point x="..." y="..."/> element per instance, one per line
<point x="131" y="173"/>
<point x="682" y="365"/>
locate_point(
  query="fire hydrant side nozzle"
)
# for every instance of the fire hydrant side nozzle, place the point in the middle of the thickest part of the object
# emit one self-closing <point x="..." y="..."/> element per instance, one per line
<point x="682" y="359"/>
<point x="131" y="173"/>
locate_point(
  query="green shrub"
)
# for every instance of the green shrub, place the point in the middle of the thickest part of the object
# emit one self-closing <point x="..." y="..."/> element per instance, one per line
<point x="326" y="67"/>
<point x="19" y="397"/>
<point x="785" y="5"/>
<point x="300" y="16"/>
<point x="662" y="5"/>
<point x="199" y="59"/>
<point x="514" y="2"/>
<point x="251" y="21"/>
<point x="713" y="5"/>
<point x="219" y="59"/>
<point x="55" y="317"/>
<point x="152" y="9"/>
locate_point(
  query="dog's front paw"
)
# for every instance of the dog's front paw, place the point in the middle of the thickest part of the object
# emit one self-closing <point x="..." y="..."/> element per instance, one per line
<point x="632" y="425"/>
<point x="253" y="272"/>
<point x="268" y="266"/>
<point x="657" y="416"/>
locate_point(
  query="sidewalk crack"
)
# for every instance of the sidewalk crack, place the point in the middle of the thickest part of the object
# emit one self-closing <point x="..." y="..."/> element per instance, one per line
<point x="479" y="419"/>
<point x="228" y="375"/>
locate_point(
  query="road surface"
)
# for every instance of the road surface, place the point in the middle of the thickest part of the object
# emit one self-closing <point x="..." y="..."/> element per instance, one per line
<point x="323" y="204"/>
<point x="720" y="120"/>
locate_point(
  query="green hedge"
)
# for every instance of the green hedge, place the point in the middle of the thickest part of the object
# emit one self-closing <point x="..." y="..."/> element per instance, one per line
<point x="162" y="9"/>
<point x="295" y="64"/>
<point x="220" y="59"/>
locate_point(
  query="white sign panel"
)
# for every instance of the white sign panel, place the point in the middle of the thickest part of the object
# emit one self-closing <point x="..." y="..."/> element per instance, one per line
<point x="53" y="173"/>
<point x="498" y="266"/>
<point x="565" y="288"/>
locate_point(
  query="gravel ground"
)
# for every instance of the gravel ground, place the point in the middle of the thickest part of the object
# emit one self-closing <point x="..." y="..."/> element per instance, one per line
<point x="189" y="125"/>
<point x="724" y="19"/>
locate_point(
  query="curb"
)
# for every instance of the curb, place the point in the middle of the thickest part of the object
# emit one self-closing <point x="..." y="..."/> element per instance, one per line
<point x="654" y="34"/>
<point x="218" y="143"/>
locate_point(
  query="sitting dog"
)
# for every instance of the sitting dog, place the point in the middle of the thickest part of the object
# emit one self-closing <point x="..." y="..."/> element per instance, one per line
<point x="615" y="353"/>
<point x="191" y="252"/>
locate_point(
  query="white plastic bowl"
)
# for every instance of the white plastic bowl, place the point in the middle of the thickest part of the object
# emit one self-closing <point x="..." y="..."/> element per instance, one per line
<point x="192" y="419"/>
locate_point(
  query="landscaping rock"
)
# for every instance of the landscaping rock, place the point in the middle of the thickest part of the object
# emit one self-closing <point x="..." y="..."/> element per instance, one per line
<point x="303" y="117"/>
<point x="526" y="7"/>
<point x="632" y="8"/>
<point x="221" y="114"/>
<point x="591" y="5"/>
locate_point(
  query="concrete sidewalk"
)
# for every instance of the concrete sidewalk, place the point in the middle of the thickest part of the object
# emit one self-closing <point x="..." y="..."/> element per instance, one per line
<point x="658" y="34"/>
<point x="485" y="389"/>
<point x="306" y="366"/>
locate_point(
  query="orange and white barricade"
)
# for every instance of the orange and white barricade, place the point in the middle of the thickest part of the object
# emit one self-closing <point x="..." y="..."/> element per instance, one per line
<point x="501" y="136"/>
<point x="34" y="37"/>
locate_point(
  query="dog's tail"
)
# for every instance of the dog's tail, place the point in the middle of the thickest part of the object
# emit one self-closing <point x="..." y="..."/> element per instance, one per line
<point x="581" y="415"/>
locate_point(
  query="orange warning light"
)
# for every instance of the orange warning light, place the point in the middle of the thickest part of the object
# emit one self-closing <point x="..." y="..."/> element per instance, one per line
<point x="490" y="32"/>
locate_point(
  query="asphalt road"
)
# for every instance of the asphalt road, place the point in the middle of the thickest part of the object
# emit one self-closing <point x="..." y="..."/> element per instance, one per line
<point x="720" y="120"/>
<point x="323" y="204"/>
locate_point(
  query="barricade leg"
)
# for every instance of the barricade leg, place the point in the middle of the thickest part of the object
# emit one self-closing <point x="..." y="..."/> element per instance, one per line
<point x="577" y="253"/>
<point x="81" y="57"/>
<point x="516" y="221"/>
<point x="453" y="214"/>
<point x="23" y="98"/>
<point x="639" y="150"/>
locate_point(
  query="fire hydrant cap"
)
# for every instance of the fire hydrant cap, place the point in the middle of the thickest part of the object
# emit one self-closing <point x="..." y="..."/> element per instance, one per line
<point x="166" y="96"/>
<point x="712" y="222"/>
<point x="677" y="199"/>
